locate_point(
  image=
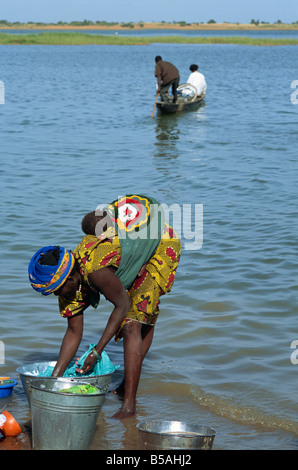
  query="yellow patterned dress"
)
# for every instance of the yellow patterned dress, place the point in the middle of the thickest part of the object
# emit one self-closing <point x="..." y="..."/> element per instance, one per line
<point x="93" y="254"/>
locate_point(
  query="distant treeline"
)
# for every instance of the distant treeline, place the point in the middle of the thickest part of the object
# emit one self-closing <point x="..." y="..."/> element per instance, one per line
<point x="131" y="24"/>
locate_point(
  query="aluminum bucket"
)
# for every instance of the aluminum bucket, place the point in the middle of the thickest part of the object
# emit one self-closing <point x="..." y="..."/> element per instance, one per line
<point x="63" y="421"/>
<point x="161" y="435"/>
<point x="29" y="375"/>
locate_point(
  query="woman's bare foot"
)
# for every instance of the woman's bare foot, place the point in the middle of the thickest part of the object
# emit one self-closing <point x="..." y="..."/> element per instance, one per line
<point x="124" y="413"/>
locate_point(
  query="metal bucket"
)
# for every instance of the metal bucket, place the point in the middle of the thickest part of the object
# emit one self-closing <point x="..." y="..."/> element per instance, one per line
<point x="29" y="375"/>
<point x="160" y="435"/>
<point x="63" y="421"/>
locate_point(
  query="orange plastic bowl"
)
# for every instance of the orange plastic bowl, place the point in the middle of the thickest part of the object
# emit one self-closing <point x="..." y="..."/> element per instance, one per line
<point x="11" y="427"/>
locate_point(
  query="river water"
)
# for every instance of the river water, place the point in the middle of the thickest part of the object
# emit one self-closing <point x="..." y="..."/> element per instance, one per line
<point x="76" y="130"/>
<point x="258" y="33"/>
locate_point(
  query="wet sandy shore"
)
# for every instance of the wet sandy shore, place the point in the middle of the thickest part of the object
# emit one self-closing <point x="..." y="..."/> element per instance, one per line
<point x="21" y="442"/>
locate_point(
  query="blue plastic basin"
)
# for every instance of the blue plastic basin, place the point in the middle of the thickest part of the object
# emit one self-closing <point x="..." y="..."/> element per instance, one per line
<point x="6" y="389"/>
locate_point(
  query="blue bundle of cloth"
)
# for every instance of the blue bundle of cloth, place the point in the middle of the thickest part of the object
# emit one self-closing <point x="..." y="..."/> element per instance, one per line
<point x="101" y="367"/>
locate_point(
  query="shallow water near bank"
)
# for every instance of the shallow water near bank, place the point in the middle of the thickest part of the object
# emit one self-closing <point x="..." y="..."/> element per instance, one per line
<point x="76" y="130"/>
<point x="270" y="33"/>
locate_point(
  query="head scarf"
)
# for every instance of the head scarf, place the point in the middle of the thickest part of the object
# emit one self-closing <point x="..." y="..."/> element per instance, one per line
<point x="47" y="279"/>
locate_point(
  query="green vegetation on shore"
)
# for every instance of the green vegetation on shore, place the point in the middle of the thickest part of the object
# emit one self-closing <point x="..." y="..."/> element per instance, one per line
<point x="77" y="39"/>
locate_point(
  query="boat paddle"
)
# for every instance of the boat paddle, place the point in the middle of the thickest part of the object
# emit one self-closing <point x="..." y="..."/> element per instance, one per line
<point x="157" y="94"/>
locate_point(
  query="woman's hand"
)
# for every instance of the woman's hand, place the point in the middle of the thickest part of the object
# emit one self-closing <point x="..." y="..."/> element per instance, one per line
<point x="142" y="270"/>
<point x="88" y="365"/>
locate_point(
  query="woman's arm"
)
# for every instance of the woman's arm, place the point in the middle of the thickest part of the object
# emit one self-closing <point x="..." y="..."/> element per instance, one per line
<point x="110" y="286"/>
<point x="70" y="344"/>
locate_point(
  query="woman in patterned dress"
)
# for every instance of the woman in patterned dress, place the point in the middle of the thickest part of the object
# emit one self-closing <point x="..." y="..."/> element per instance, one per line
<point x="132" y="273"/>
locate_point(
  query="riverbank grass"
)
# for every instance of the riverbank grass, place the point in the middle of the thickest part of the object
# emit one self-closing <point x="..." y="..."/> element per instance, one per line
<point x="70" y="38"/>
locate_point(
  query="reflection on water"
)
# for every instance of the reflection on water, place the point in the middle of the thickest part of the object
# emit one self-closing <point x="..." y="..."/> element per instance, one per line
<point x="167" y="132"/>
<point x="179" y="145"/>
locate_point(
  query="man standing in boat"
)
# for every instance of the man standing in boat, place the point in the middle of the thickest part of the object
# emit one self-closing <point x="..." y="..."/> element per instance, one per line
<point x="167" y="76"/>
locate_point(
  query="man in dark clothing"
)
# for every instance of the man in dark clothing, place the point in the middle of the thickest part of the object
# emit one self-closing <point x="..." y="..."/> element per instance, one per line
<point x="167" y="75"/>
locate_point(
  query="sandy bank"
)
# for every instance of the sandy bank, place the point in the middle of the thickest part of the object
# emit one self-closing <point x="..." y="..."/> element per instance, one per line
<point x="157" y="26"/>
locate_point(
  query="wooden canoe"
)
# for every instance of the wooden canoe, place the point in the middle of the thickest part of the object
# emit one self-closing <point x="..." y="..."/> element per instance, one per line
<point x="166" y="107"/>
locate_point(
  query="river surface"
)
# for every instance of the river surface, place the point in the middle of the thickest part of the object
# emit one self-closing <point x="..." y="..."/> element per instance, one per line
<point x="76" y="131"/>
<point x="265" y="33"/>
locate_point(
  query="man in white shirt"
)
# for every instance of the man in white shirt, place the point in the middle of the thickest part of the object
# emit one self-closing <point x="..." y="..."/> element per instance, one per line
<point x="197" y="79"/>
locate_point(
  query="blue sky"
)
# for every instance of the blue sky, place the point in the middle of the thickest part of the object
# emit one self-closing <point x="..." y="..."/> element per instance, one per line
<point x="149" y="10"/>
